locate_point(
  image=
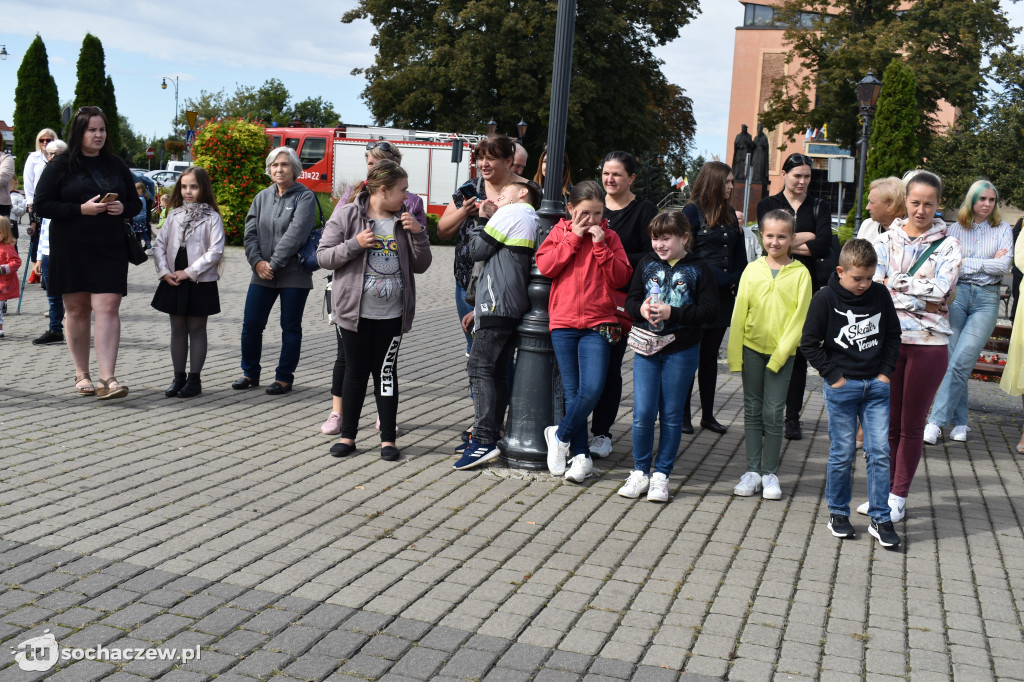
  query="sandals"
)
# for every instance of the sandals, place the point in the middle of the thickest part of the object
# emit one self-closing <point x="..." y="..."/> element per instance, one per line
<point x="84" y="389"/>
<point x="109" y="389"/>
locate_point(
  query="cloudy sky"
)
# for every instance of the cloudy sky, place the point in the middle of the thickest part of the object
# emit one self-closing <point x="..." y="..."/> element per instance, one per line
<point x="210" y="46"/>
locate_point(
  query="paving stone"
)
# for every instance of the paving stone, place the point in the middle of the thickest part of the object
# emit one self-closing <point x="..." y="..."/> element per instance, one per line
<point x="312" y="667"/>
<point x="222" y="621"/>
<point x="420" y="663"/>
<point x="340" y="644"/>
<point x="259" y="663"/>
<point x="368" y="667"/>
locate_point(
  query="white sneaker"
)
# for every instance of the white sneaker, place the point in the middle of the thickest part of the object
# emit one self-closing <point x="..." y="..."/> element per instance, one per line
<point x="959" y="433"/>
<point x="749" y="484"/>
<point x="863" y="509"/>
<point x="558" y="451"/>
<point x="636" y="485"/>
<point x="659" y="488"/>
<point x="580" y="467"/>
<point x="932" y="433"/>
<point x="897" y="508"/>
<point x="600" y="446"/>
<point x="772" y="491"/>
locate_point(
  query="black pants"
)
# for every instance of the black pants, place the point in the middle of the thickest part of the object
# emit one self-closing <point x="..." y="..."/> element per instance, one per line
<point x="707" y="373"/>
<point x="373" y="349"/>
<point x="797" y="385"/>
<point x="338" y="376"/>
<point x="488" y="370"/>
<point x="607" y="407"/>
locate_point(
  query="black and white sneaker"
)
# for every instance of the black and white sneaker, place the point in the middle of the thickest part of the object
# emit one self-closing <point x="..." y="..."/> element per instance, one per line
<point x="48" y="338"/>
<point x="885" y="534"/>
<point x="476" y="453"/>
<point x="841" y="526"/>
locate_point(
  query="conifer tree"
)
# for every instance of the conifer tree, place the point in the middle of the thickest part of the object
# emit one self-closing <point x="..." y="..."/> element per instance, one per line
<point x="113" y="120"/>
<point x="94" y="87"/>
<point x="893" y="149"/>
<point x="36" y="105"/>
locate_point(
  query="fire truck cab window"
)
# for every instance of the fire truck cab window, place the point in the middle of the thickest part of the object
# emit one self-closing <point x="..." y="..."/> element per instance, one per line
<point x="313" y="151"/>
<point x="292" y="142"/>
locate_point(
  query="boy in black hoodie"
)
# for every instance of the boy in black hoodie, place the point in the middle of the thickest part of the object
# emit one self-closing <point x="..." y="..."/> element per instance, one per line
<point x="852" y="337"/>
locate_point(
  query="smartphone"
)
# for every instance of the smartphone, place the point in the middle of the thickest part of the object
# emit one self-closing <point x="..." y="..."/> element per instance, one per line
<point x="466" y="190"/>
<point x="108" y="197"/>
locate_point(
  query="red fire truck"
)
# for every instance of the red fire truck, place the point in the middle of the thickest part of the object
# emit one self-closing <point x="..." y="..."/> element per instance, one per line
<point x="334" y="158"/>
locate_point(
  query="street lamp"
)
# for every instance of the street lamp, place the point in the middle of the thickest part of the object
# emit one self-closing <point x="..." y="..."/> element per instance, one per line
<point x="867" y="97"/>
<point x="3" y="53"/>
<point x="163" y="86"/>
<point x="492" y="126"/>
<point x="521" y="129"/>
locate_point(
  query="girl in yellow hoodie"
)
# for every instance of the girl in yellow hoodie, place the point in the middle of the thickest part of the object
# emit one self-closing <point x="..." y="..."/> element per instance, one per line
<point x="767" y="322"/>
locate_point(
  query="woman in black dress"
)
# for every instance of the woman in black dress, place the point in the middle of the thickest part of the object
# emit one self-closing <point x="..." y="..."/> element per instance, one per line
<point x="812" y="240"/>
<point x="718" y="241"/>
<point x="87" y="192"/>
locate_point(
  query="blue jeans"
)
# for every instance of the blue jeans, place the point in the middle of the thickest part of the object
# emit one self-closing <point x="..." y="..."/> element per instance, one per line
<point x="867" y="399"/>
<point x="582" y="356"/>
<point x="258" y="303"/>
<point x="56" y="302"/>
<point x="464" y="309"/>
<point x="972" y="315"/>
<point x="661" y="383"/>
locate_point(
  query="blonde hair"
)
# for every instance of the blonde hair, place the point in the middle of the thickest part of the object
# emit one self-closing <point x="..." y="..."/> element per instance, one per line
<point x="6" y="235"/>
<point x="965" y="216"/>
<point x="892" y="193"/>
<point x="39" y="136"/>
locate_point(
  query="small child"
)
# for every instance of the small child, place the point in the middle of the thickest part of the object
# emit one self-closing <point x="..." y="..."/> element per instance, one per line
<point x="586" y="262"/>
<point x="186" y="256"/>
<point x="852" y="337"/>
<point x="163" y="209"/>
<point x="140" y="223"/>
<point x="771" y="305"/>
<point x="506" y="246"/>
<point x="10" y="262"/>
<point x="661" y="379"/>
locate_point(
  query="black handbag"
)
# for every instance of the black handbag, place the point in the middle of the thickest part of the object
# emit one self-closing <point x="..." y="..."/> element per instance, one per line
<point x="307" y="254"/>
<point x="136" y="254"/>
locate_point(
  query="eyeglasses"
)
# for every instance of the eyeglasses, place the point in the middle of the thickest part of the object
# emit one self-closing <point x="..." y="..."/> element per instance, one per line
<point x="385" y="147"/>
<point x="795" y="160"/>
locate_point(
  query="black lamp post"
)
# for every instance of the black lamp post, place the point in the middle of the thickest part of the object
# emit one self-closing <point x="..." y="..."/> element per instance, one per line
<point x="867" y="98"/>
<point x="492" y="126"/>
<point x="532" y="403"/>
<point x="521" y="129"/>
<point x="3" y="53"/>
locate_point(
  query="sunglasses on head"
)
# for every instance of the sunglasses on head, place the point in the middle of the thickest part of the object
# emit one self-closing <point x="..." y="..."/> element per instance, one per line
<point x="92" y="111"/>
<point x="386" y="147"/>
<point x="45" y="140"/>
<point x="797" y="160"/>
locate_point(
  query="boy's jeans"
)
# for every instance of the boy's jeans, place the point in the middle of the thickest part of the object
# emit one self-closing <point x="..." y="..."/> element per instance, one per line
<point x="869" y="400"/>
<point x="488" y="369"/>
<point x="661" y="383"/>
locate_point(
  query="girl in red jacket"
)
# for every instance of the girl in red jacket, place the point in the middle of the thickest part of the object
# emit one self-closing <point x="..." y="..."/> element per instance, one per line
<point x="9" y="264"/>
<point x="586" y="263"/>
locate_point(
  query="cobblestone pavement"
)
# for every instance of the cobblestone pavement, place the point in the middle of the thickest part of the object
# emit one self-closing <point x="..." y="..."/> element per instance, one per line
<point x="221" y="522"/>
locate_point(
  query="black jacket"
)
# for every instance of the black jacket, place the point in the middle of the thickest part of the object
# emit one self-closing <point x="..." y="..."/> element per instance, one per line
<point x="857" y="337"/>
<point x="688" y="287"/>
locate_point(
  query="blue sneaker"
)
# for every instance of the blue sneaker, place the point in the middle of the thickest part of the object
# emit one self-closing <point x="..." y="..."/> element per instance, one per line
<point x="476" y="453"/>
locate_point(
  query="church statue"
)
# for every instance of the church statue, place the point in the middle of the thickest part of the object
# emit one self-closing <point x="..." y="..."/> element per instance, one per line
<point x="759" y="160"/>
<point x="743" y="145"/>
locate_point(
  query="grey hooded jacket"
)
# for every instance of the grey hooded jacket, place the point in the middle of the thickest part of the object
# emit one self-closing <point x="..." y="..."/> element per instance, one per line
<point x="275" y="230"/>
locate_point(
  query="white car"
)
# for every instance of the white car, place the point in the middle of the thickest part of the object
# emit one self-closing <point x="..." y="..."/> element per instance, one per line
<point x="164" y="178"/>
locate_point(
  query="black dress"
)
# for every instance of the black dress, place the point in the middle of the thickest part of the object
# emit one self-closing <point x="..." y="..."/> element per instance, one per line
<point x="189" y="299"/>
<point x="87" y="253"/>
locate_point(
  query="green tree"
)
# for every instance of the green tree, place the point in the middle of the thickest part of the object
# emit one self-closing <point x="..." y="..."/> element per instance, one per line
<point x="36" y="102"/>
<point x="233" y="152"/>
<point x="267" y="103"/>
<point x="94" y="87"/>
<point x="837" y="41"/>
<point x="315" y="112"/>
<point x="893" y="149"/>
<point x="454" y="64"/>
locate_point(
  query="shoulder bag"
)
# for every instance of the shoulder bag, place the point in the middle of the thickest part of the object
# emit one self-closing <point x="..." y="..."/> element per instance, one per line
<point x="307" y="254"/>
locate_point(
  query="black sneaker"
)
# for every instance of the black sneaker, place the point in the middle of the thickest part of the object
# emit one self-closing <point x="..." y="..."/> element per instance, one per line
<point x="793" y="431"/>
<point x="885" y="534"/>
<point x="49" y="338"/>
<point x="841" y="526"/>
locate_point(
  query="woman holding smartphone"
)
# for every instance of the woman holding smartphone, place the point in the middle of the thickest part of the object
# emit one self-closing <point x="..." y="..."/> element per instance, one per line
<point x="87" y="192"/>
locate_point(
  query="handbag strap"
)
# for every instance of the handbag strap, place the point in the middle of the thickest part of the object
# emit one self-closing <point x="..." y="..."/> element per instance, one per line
<point x="319" y="208"/>
<point x="924" y="256"/>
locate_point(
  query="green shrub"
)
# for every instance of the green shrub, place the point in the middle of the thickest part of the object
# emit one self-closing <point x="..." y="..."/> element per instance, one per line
<point x="432" y="220"/>
<point x="233" y="153"/>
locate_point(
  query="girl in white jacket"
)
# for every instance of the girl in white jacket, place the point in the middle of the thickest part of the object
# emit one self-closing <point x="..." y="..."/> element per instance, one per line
<point x="186" y="254"/>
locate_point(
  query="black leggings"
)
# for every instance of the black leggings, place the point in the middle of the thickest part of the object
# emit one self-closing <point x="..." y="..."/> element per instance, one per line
<point x="188" y="333"/>
<point x="373" y="349"/>
<point x="707" y="373"/>
<point x="338" y="377"/>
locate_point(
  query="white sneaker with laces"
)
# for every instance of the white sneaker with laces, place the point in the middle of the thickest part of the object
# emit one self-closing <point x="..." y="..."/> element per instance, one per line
<point x="636" y="485"/>
<point x="658" y="491"/>
<point x="932" y="433"/>
<point x="959" y="433"/>
<point x="772" y="490"/>
<point x="580" y="467"/>
<point x="749" y="484"/>
<point x="600" y="446"/>
<point x="863" y="509"/>
<point x="558" y="451"/>
<point x="897" y="508"/>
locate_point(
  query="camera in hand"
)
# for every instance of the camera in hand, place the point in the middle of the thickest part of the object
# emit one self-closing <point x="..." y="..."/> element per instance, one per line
<point x="466" y="190"/>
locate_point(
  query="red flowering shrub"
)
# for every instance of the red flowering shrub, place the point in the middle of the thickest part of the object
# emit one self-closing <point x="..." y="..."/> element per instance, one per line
<point x="233" y="152"/>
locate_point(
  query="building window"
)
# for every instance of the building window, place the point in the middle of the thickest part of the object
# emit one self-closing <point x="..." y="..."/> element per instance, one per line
<point x="763" y="16"/>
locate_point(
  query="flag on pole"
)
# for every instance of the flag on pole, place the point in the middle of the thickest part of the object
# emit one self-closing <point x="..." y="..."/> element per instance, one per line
<point x="807" y="135"/>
